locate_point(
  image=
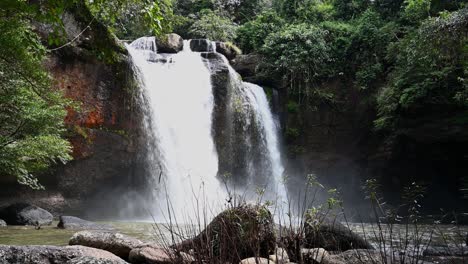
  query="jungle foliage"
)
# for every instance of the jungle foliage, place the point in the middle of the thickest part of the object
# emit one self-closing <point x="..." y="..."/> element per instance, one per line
<point x="32" y="111"/>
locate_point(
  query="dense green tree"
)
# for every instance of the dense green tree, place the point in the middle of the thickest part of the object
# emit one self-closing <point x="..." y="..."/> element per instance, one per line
<point x="134" y="18"/>
<point x="430" y="71"/>
<point x="299" y="51"/>
<point x="213" y="26"/>
<point x="31" y="113"/>
<point x="251" y="35"/>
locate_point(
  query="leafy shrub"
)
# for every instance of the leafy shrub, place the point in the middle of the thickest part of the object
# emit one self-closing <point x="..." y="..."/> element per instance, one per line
<point x="214" y="27"/>
<point x="430" y="70"/>
<point x="31" y="113"/>
<point x="299" y="51"/>
<point x="251" y="35"/>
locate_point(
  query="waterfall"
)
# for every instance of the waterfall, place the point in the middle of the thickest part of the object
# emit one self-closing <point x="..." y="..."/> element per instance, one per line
<point x="269" y="134"/>
<point x="179" y="93"/>
<point x="184" y="157"/>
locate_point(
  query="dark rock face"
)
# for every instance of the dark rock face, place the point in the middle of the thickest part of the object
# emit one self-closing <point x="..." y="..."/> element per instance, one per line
<point x="246" y="65"/>
<point x="25" y="214"/>
<point x="227" y="50"/>
<point x="331" y="235"/>
<point x="235" y="234"/>
<point x="116" y="243"/>
<point x="71" y="222"/>
<point x="56" y="255"/>
<point x="201" y="45"/>
<point x="169" y="43"/>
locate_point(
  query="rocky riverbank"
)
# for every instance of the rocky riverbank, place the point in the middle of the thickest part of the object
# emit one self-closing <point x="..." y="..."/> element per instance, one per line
<point x="242" y="234"/>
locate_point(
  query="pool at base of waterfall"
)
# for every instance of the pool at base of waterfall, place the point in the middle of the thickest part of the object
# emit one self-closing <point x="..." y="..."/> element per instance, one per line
<point x="160" y="234"/>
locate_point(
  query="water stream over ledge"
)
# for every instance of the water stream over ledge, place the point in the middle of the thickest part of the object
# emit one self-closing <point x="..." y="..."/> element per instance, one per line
<point x="178" y="101"/>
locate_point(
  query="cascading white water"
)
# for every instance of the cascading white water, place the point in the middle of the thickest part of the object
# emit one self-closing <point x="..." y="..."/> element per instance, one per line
<point x="269" y="130"/>
<point x="179" y="93"/>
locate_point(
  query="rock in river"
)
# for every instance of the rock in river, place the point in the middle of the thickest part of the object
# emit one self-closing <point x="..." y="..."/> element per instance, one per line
<point x="25" y="214"/>
<point x="328" y="233"/>
<point x="72" y="222"/>
<point x="237" y="233"/>
<point x="116" y="243"/>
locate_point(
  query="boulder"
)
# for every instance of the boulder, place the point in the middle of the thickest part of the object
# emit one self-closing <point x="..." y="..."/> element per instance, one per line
<point x="94" y="260"/>
<point x="240" y="232"/>
<point x="56" y="255"/>
<point x="246" y="65"/>
<point x="71" y="222"/>
<point x="116" y="243"/>
<point x="201" y="45"/>
<point x="2" y="223"/>
<point x="280" y="256"/>
<point x="328" y="233"/>
<point x="359" y="256"/>
<point x="315" y="255"/>
<point x="228" y="50"/>
<point x="255" y="261"/>
<point x="169" y="43"/>
<point x="25" y="214"/>
<point x="150" y="254"/>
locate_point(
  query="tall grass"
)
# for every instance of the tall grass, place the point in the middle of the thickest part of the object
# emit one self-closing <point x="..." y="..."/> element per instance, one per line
<point x="397" y="233"/>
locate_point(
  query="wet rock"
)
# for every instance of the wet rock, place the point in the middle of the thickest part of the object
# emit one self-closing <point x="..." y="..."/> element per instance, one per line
<point x="2" y="223"/>
<point x="446" y="251"/>
<point x="246" y="65"/>
<point x="362" y="256"/>
<point x="328" y="233"/>
<point x="169" y="43"/>
<point x="116" y="243"/>
<point x="280" y="256"/>
<point x="25" y="214"/>
<point x="150" y="254"/>
<point x="93" y="260"/>
<point x="315" y="255"/>
<point x="54" y="254"/>
<point x="72" y="222"/>
<point x="235" y="234"/>
<point x="255" y="261"/>
<point x="201" y="45"/>
<point x="227" y="49"/>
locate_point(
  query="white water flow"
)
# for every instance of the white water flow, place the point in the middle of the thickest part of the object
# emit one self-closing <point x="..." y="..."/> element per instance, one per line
<point x="178" y="104"/>
<point x="179" y="92"/>
<point x="269" y="132"/>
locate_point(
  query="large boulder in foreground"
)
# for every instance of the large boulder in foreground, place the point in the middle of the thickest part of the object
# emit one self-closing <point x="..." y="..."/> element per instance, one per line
<point x="116" y="243"/>
<point x="235" y="234"/>
<point x="72" y="222"/>
<point x="55" y="255"/>
<point x="328" y="233"/>
<point x="25" y="214"/>
<point x="2" y="223"/>
<point x="169" y="43"/>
